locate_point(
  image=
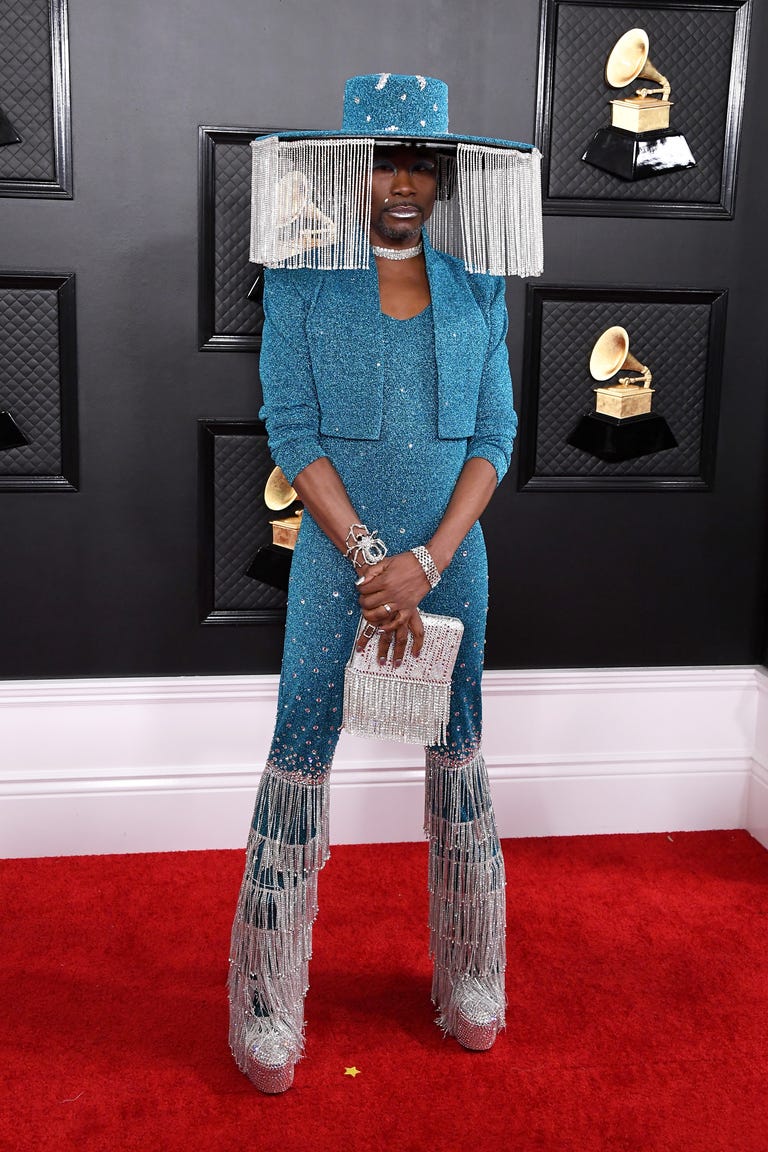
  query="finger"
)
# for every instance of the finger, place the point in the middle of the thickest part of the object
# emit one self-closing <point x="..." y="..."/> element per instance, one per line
<point x="375" y="606"/>
<point x="370" y="574"/>
<point x="401" y="639"/>
<point x="389" y="626"/>
<point x="374" y="597"/>
<point x="382" y="612"/>
<point x="384" y="642"/>
<point x="417" y="628"/>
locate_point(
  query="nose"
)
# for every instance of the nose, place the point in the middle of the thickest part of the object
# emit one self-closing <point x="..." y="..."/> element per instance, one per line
<point x="402" y="182"/>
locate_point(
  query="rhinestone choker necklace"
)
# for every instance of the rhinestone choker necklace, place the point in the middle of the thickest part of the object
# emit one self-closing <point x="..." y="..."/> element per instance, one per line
<point x="398" y="253"/>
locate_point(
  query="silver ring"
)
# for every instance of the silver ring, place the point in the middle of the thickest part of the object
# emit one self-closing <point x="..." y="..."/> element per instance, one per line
<point x="369" y="630"/>
<point x="387" y="607"/>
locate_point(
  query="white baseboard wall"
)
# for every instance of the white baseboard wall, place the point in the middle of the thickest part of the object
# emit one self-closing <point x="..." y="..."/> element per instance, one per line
<point x="162" y="764"/>
<point x="757" y="802"/>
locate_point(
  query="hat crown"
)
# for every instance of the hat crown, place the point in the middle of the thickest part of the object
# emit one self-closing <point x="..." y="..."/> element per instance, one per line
<point x="386" y="104"/>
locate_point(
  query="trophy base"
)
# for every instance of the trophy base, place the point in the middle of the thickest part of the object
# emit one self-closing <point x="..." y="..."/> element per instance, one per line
<point x="8" y="134"/>
<point x="11" y="436"/>
<point x="614" y="440"/>
<point x="285" y="532"/>
<point x="271" y="565"/>
<point x="637" y="155"/>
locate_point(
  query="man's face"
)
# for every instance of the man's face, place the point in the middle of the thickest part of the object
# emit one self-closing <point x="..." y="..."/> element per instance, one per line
<point x="402" y="193"/>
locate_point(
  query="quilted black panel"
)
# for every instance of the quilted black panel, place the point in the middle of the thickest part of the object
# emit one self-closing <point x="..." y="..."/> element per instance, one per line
<point x="30" y="381"/>
<point x="26" y="89"/>
<point x="230" y="287"/>
<point x="691" y="46"/>
<point x="672" y="339"/>
<point x="241" y="522"/>
<point x="234" y="313"/>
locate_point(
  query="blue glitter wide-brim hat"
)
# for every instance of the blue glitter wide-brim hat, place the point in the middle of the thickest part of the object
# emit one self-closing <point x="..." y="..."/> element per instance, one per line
<point x="311" y="188"/>
<point x="392" y="108"/>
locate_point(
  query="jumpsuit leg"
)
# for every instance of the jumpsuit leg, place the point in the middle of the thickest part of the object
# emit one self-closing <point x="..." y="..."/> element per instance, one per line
<point x="272" y="931"/>
<point x="287" y="846"/>
<point x="467" y="916"/>
<point x="467" y="906"/>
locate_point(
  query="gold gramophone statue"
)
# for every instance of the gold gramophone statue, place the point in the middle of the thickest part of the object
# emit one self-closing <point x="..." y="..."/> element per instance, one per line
<point x="272" y="563"/>
<point x="279" y="495"/>
<point x="622" y="426"/>
<point x="630" y="395"/>
<point x="639" y="141"/>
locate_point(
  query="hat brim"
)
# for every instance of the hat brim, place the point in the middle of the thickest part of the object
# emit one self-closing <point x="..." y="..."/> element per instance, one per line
<point x="444" y="140"/>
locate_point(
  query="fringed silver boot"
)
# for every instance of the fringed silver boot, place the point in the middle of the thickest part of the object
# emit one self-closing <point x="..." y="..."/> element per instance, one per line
<point x="272" y="931"/>
<point x="467" y="914"/>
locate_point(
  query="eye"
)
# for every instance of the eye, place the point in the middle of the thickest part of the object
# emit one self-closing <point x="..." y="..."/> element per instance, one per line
<point x="424" y="166"/>
<point x="383" y="165"/>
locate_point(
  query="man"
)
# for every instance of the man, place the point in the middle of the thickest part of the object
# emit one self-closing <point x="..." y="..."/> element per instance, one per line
<point x="387" y="395"/>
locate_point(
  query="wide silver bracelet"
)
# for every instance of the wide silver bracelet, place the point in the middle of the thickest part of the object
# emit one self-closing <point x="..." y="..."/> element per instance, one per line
<point x="364" y="546"/>
<point x="428" y="565"/>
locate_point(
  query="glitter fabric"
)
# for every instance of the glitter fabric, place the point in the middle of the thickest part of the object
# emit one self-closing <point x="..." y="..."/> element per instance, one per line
<point x="401" y="481"/>
<point x="326" y="349"/>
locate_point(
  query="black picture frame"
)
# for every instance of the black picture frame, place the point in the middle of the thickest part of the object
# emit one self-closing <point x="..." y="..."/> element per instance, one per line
<point x="572" y="103"/>
<point x="681" y="333"/>
<point x="229" y="302"/>
<point x="37" y="101"/>
<point x="39" y="380"/>
<point x="234" y="463"/>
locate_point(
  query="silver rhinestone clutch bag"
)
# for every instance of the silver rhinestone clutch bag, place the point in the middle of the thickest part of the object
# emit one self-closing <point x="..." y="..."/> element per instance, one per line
<point x="410" y="703"/>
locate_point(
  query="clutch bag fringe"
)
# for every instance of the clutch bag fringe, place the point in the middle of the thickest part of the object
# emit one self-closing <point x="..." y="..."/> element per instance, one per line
<point x="410" y="704"/>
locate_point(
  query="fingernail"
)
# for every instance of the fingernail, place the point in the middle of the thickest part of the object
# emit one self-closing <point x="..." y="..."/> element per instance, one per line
<point x="382" y="659"/>
<point x="398" y="663"/>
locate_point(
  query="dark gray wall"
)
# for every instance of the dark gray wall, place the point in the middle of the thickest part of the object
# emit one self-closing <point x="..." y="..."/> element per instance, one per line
<point x="104" y="581"/>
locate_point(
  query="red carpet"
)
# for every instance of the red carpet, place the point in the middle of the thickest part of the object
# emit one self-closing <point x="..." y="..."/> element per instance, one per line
<point x="638" y="997"/>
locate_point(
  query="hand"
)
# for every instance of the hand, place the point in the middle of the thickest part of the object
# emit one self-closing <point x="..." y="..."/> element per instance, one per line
<point x="396" y="585"/>
<point x="388" y="597"/>
<point x="403" y="624"/>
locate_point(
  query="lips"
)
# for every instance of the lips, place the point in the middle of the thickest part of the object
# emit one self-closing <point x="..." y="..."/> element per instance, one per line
<point x="404" y="211"/>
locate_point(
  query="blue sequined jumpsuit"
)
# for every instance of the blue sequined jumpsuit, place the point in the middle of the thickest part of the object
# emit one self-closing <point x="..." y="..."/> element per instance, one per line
<point x="401" y="484"/>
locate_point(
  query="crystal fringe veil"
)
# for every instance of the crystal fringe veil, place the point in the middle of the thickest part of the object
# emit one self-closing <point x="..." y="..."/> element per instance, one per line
<point x="310" y="206"/>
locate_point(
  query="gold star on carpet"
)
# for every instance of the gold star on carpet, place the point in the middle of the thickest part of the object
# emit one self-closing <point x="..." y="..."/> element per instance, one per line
<point x="352" y="1071"/>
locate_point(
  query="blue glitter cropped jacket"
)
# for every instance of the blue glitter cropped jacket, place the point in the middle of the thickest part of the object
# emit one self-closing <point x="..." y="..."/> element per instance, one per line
<point x="322" y="355"/>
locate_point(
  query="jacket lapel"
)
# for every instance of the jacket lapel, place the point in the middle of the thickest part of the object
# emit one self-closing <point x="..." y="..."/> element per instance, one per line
<point x="460" y="332"/>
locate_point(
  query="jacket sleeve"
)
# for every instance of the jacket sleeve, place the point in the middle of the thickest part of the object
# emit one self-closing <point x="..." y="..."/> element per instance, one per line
<point x="291" y="410"/>
<point x="496" y="422"/>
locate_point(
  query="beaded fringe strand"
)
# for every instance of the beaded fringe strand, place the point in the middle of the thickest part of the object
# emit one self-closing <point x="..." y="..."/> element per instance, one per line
<point x="467" y="914"/>
<point x="272" y="932"/>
